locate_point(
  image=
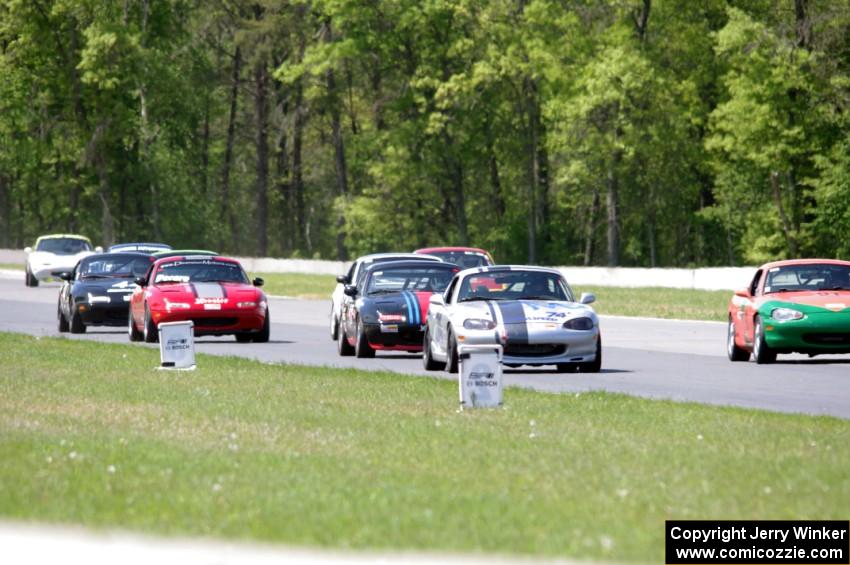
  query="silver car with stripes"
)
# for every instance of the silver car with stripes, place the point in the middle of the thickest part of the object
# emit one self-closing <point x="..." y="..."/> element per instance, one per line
<point x="531" y="311"/>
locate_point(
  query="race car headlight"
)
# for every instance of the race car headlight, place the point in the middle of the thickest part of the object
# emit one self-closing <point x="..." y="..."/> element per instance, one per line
<point x="92" y="299"/>
<point x="786" y="314"/>
<point x="246" y="304"/>
<point x="583" y="324"/>
<point x="478" y="324"/>
<point x="176" y="305"/>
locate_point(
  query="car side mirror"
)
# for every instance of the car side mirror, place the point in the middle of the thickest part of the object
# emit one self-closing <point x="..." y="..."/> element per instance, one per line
<point x="27" y="249"/>
<point x="587" y="298"/>
<point x="63" y="275"/>
<point x="350" y="290"/>
<point x="743" y="293"/>
<point x="141" y="281"/>
<point x="437" y="300"/>
<point x="259" y="281"/>
<point x="342" y="279"/>
<point x="98" y="249"/>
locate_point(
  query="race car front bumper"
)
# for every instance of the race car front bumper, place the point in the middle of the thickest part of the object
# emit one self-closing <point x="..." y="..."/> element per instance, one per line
<point x="45" y="271"/>
<point x="537" y="344"/>
<point x="216" y="322"/>
<point x="818" y="332"/>
<point x="106" y="314"/>
<point x="394" y="337"/>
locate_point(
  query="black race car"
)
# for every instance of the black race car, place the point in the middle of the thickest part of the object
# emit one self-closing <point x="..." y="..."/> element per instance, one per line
<point x="97" y="292"/>
<point x="390" y="306"/>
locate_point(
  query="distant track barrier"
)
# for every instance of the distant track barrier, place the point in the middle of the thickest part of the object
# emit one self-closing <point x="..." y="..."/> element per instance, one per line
<point x="707" y="278"/>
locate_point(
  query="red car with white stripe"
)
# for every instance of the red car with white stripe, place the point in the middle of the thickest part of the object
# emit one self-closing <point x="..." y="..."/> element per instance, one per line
<point x="213" y="292"/>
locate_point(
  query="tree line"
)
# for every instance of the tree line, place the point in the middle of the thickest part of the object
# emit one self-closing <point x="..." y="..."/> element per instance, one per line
<point x="594" y="132"/>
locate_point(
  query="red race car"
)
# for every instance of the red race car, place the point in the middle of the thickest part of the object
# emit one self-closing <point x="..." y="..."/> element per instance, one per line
<point x="213" y="292"/>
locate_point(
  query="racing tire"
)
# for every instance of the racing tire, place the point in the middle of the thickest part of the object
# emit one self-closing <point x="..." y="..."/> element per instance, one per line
<point x="428" y="362"/>
<point x="566" y="367"/>
<point x="63" y="322"/>
<point x="762" y="352"/>
<point x="362" y="349"/>
<point x="133" y="333"/>
<point x="344" y="348"/>
<point x="734" y="352"/>
<point x="29" y="278"/>
<point x="334" y="325"/>
<point x="150" y="332"/>
<point x="263" y="335"/>
<point x="451" y="353"/>
<point x="77" y="326"/>
<point x="596" y="365"/>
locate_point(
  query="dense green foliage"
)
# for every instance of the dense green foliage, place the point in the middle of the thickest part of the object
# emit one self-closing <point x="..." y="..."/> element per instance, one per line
<point x="621" y="132"/>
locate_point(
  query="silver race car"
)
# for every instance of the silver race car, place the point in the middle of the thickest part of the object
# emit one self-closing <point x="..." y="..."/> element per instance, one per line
<point x="530" y="311"/>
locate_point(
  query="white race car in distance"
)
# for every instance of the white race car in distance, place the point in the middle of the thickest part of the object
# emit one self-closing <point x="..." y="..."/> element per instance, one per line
<point x="55" y="253"/>
<point x="530" y="311"/>
<point x="355" y="276"/>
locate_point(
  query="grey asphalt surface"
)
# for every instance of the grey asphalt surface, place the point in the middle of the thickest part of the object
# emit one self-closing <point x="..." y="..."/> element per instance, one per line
<point x="676" y="360"/>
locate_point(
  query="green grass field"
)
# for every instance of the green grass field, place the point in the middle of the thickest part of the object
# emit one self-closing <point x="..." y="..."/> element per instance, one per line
<point x="91" y="434"/>
<point x="298" y="285"/>
<point x="674" y="303"/>
<point x="12" y="266"/>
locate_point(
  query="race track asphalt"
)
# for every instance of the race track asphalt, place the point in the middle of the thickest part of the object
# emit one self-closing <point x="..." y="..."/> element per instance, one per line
<point x="677" y="360"/>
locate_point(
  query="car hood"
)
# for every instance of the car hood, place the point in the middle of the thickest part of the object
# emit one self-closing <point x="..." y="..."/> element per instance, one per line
<point x="105" y="286"/>
<point x="413" y="305"/>
<point x="522" y="311"/>
<point x="833" y="300"/>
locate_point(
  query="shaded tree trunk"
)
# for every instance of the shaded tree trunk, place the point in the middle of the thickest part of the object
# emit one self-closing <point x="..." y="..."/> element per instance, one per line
<point x="339" y="160"/>
<point x="226" y="204"/>
<point x="297" y="166"/>
<point x="261" y="110"/>
<point x="641" y="19"/>
<point x="590" y="230"/>
<point x="803" y="25"/>
<point x="495" y="179"/>
<point x="612" y="205"/>
<point x="5" y="211"/>
<point x="787" y="228"/>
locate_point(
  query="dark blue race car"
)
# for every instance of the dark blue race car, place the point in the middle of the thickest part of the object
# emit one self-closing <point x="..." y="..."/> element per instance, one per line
<point x="97" y="292"/>
<point x="390" y="306"/>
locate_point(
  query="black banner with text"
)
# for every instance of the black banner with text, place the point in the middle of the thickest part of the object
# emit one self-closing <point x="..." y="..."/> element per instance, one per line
<point x="813" y="542"/>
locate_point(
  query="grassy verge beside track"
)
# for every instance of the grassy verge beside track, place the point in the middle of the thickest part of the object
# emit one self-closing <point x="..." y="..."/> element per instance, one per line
<point x="298" y="285"/>
<point x="673" y="303"/>
<point x="13" y="266"/>
<point x="90" y="433"/>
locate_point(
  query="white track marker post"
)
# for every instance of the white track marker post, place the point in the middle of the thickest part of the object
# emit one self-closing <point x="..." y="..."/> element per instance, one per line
<point x="177" y="345"/>
<point x="480" y="376"/>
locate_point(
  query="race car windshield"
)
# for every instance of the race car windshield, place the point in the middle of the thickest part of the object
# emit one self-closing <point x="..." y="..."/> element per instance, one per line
<point x="200" y="271"/>
<point x="113" y="266"/>
<point x="814" y="277"/>
<point x="420" y="279"/>
<point x="463" y="259"/>
<point x="63" y="245"/>
<point x="389" y="259"/>
<point x="514" y="285"/>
